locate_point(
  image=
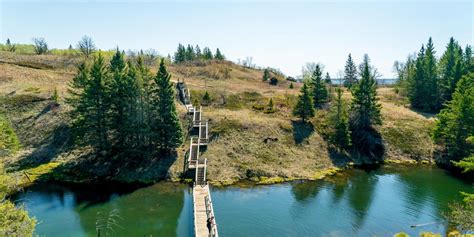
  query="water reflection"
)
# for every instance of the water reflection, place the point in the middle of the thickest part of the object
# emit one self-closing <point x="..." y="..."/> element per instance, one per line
<point x="150" y="211"/>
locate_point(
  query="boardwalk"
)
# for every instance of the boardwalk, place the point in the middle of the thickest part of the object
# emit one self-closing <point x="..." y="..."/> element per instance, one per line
<point x="204" y="219"/>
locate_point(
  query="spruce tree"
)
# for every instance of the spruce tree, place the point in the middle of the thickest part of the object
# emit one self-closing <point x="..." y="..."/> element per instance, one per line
<point x="340" y="122"/>
<point x="90" y="101"/>
<point x="365" y="112"/>
<point x="350" y="73"/>
<point x="219" y="55"/>
<point x="207" y="54"/>
<point x="166" y="128"/>
<point x="189" y="53"/>
<point x="55" y="96"/>
<point x="447" y="66"/>
<point x="304" y="107"/>
<point x="455" y="122"/>
<point x="144" y="80"/>
<point x="319" y="90"/>
<point x="198" y="52"/>
<point x="180" y="55"/>
<point x="468" y="60"/>
<point x="417" y="82"/>
<point x="291" y="86"/>
<point x="266" y="74"/>
<point x="431" y="92"/>
<point x="120" y="100"/>
<point x="206" y="98"/>
<point x="327" y="79"/>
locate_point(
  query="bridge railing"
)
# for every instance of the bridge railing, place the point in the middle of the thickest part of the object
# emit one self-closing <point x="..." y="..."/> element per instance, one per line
<point x="210" y="214"/>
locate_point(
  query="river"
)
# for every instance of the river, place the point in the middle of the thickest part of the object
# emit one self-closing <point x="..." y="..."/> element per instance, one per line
<point x="353" y="203"/>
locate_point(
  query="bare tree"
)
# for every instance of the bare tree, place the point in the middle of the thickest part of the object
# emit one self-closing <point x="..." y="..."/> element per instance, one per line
<point x="41" y="47"/>
<point x="86" y="46"/>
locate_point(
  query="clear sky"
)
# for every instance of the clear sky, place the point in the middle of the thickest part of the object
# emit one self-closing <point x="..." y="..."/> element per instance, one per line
<point x="280" y="34"/>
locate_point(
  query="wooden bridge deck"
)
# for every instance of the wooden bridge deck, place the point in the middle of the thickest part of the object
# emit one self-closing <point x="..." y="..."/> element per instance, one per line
<point x="204" y="219"/>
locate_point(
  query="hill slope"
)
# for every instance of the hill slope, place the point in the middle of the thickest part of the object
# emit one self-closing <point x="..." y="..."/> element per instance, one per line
<point x="246" y="142"/>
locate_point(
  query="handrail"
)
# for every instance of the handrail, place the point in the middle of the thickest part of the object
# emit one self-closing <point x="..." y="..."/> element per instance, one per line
<point x="210" y="214"/>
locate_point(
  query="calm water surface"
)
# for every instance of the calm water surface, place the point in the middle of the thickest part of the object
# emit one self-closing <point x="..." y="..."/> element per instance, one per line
<point x="355" y="203"/>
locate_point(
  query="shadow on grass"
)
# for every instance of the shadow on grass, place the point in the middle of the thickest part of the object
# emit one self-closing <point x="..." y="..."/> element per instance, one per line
<point x="51" y="146"/>
<point x="301" y="131"/>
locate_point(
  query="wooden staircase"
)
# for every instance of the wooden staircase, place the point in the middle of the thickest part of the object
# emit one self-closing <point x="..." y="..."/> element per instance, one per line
<point x="204" y="219"/>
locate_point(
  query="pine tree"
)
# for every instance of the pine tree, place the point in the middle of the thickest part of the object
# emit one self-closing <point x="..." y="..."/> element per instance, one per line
<point x="431" y="92"/>
<point x="206" y="98"/>
<point x="350" y="73"/>
<point x="327" y="79"/>
<point x="340" y="122"/>
<point x="319" y="90"/>
<point x="291" y="85"/>
<point x="189" y="53"/>
<point x="365" y="112"/>
<point x="455" y="122"/>
<point x="219" y="55"/>
<point x="304" y="107"/>
<point x="270" y="107"/>
<point x="417" y="82"/>
<point x="120" y="100"/>
<point x="207" y="54"/>
<point x="166" y="128"/>
<point x="266" y="74"/>
<point x="90" y="100"/>
<point x="468" y="60"/>
<point x="198" y="52"/>
<point x="55" y="96"/>
<point x="144" y="82"/>
<point x="180" y="55"/>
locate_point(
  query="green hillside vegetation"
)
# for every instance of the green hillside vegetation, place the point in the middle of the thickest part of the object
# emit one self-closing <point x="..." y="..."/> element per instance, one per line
<point x="257" y="145"/>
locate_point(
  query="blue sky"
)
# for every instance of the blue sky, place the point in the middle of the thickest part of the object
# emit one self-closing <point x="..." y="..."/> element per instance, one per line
<point x="280" y="34"/>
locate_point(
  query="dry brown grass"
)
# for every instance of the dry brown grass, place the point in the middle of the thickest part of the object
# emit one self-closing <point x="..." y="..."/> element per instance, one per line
<point x="246" y="143"/>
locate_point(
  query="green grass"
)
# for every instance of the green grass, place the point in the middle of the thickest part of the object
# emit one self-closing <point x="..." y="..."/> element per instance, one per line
<point x="9" y="142"/>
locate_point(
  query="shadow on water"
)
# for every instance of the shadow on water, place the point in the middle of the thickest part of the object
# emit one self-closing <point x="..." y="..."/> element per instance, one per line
<point x="304" y="190"/>
<point x="117" y="210"/>
<point x="301" y="131"/>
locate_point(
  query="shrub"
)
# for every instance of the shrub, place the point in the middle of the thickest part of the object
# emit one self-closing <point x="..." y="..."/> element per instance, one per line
<point x="40" y="46"/>
<point x="9" y="142"/>
<point x="273" y="81"/>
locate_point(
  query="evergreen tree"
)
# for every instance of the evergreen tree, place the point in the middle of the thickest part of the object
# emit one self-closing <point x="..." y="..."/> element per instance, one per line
<point x="468" y="60"/>
<point x="145" y="115"/>
<point x="90" y="100"/>
<point x="219" y="55"/>
<point x="350" y="73"/>
<point x="270" y="107"/>
<point x="189" y="53"/>
<point x="455" y="122"/>
<point x="166" y="128"/>
<point x="365" y="112"/>
<point x="304" y="107"/>
<point x="266" y="74"/>
<point x="431" y="92"/>
<point x="206" y="98"/>
<point x="291" y="85"/>
<point x="340" y="122"/>
<point x="180" y="55"/>
<point x="55" y="96"/>
<point x="207" y="54"/>
<point x="417" y="82"/>
<point x="198" y="52"/>
<point x="327" y="79"/>
<point x="9" y="46"/>
<point x="319" y="90"/>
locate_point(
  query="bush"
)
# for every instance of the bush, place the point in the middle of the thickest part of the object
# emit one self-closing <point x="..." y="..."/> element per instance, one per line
<point x="40" y="46"/>
<point x="273" y="81"/>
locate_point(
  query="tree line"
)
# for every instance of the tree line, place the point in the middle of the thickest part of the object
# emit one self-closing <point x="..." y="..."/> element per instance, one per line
<point x="191" y="53"/>
<point x="428" y="82"/>
<point x="351" y="127"/>
<point x="121" y="109"/>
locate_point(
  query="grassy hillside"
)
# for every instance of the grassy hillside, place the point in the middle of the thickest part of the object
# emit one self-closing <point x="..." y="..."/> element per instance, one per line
<point x="246" y="141"/>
